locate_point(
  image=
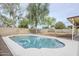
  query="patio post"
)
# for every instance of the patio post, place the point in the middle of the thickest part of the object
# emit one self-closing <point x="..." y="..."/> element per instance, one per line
<point x="73" y="29"/>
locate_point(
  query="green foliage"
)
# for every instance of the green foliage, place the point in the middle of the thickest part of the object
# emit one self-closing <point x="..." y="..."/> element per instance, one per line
<point x="36" y="13"/>
<point x="6" y="21"/>
<point x="60" y="25"/>
<point x="24" y="23"/>
<point x="9" y="12"/>
<point x="69" y="27"/>
<point x="50" y="21"/>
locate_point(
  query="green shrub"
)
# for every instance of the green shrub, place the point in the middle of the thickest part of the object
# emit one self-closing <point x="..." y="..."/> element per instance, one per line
<point x="60" y="25"/>
<point x="23" y="23"/>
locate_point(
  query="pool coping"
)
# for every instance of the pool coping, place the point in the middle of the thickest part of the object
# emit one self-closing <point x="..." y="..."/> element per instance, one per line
<point x="68" y="44"/>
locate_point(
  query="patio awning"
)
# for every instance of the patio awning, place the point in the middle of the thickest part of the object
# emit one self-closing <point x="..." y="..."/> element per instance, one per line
<point x="74" y="20"/>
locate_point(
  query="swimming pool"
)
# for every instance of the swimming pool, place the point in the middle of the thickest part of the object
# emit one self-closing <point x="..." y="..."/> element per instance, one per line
<point x="31" y="41"/>
<point x="69" y="48"/>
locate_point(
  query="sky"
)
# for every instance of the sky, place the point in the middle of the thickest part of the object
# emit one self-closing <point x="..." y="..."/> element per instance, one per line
<point x="61" y="11"/>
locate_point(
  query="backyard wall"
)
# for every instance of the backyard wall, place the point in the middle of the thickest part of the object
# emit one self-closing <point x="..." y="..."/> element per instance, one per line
<point x="57" y="30"/>
<point x="12" y="31"/>
<point x="65" y="33"/>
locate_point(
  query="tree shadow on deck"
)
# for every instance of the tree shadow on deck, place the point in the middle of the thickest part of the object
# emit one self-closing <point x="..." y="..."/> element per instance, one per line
<point x="76" y="37"/>
<point x="4" y="50"/>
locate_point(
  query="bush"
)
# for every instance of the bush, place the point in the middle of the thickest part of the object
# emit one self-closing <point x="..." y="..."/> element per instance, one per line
<point x="23" y="23"/>
<point x="60" y="25"/>
<point x="69" y="27"/>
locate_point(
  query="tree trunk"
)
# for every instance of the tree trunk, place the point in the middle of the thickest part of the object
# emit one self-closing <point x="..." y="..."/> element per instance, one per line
<point x="36" y="25"/>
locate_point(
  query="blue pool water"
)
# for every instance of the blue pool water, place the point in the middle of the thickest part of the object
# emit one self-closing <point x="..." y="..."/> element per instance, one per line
<point x="37" y="42"/>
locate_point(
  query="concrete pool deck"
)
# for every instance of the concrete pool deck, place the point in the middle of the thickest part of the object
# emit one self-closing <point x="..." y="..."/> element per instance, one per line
<point x="70" y="49"/>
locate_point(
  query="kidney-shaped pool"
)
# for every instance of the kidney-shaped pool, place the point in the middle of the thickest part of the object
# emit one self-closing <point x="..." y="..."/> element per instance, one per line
<point x="37" y="42"/>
